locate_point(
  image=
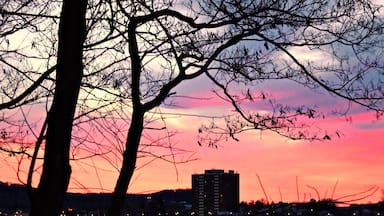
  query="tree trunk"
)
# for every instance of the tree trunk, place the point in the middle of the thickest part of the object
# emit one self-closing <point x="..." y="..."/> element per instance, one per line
<point x="135" y="129"/>
<point x="48" y="198"/>
<point x="129" y="164"/>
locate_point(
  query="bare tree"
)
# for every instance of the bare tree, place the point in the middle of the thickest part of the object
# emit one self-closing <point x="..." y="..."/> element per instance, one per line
<point x="129" y="56"/>
<point x="241" y="43"/>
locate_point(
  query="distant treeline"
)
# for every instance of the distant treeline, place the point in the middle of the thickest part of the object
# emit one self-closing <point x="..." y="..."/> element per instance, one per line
<point x="14" y="197"/>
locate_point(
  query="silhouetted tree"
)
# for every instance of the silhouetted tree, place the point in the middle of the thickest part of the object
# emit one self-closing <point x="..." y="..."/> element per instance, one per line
<point x="129" y="56"/>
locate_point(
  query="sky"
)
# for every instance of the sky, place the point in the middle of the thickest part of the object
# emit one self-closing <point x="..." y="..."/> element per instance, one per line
<point x="287" y="170"/>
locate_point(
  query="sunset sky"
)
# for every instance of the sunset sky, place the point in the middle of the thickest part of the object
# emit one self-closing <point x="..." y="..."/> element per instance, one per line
<point x="352" y="162"/>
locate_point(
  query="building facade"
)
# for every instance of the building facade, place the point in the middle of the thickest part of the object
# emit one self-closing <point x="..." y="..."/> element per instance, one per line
<point x="215" y="192"/>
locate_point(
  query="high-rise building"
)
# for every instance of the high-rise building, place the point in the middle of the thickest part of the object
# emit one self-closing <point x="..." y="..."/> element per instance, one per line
<point x="215" y="192"/>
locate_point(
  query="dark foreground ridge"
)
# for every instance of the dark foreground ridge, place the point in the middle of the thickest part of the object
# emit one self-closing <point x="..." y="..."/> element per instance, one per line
<point x="14" y="201"/>
<point x="13" y="198"/>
